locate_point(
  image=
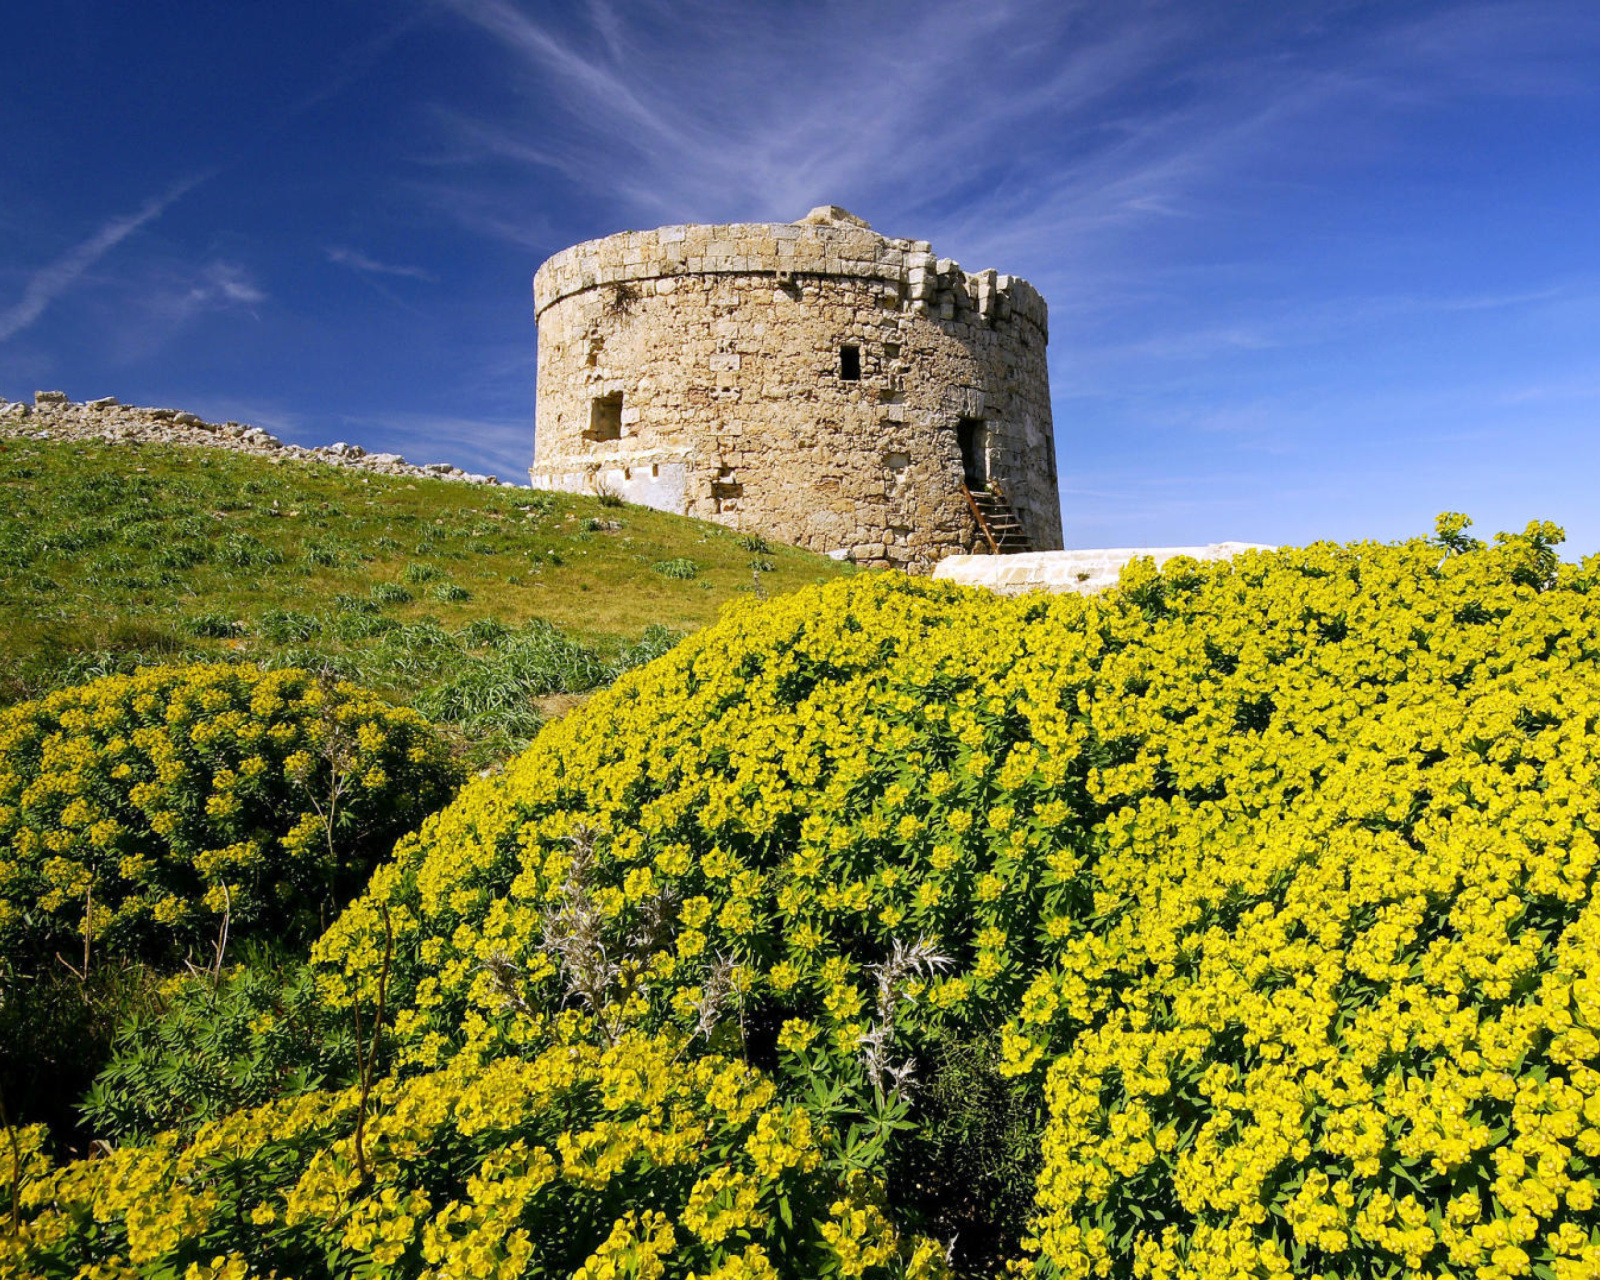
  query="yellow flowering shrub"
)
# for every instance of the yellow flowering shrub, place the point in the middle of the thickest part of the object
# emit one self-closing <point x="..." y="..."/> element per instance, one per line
<point x="1335" y="1011"/>
<point x="629" y="1161"/>
<point x="144" y="808"/>
<point x="1276" y="872"/>
<point x="1274" y="877"/>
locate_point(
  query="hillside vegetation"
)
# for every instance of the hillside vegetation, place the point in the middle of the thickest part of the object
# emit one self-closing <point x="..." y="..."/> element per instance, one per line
<point x="470" y="601"/>
<point x="1238" y="922"/>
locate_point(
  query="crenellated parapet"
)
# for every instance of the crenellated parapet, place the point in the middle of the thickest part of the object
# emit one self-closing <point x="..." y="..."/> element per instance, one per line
<point x="926" y="284"/>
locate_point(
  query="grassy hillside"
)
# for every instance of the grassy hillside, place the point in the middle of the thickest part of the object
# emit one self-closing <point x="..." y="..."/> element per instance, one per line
<point x="473" y="601"/>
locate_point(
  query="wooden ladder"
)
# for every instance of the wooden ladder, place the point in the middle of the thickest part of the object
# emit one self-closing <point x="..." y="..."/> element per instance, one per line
<point x="997" y="520"/>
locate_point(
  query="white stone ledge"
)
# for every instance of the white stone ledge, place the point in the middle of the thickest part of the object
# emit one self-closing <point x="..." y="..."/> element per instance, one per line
<point x="1084" y="572"/>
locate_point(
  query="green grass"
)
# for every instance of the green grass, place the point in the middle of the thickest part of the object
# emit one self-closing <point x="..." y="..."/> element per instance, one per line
<point x="472" y="602"/>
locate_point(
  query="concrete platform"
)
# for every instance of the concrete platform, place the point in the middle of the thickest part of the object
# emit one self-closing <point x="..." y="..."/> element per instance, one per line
<point x="1084" y="572"/>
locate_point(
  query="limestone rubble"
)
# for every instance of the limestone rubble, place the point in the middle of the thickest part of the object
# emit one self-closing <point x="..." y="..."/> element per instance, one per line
<point x="52" y="416"/>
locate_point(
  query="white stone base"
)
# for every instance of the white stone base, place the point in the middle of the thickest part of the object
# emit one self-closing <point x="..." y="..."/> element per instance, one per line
<point x="1082" y="571"/>
<point x="652" y="480"/>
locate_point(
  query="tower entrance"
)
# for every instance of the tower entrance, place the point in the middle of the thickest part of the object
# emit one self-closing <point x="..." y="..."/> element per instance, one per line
<point x="974" y="438"/>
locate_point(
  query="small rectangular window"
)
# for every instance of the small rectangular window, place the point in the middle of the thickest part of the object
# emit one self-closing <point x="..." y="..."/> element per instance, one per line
<point x="850" y="364"/>
<point x="605" y="417"/>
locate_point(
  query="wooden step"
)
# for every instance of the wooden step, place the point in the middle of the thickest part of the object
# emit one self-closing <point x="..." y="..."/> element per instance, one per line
<point x="997" y="521"/>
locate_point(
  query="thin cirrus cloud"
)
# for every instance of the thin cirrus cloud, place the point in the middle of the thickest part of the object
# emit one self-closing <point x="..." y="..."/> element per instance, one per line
<point x="223" y="284"/>
<point x="50" y="281"/>
<point x="1027" y="133"/>
<point x="153" y="303"/>
<point x="358" y="261"/>
<point x="760" y="115"/>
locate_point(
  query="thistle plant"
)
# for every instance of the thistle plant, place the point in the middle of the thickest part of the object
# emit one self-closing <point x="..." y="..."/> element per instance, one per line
<point x="574" y="937"/>
<point x="917" y="963"/>
<point x="718" y="992"/>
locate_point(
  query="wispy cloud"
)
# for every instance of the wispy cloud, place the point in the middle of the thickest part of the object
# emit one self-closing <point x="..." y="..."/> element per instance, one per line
<point x="225" y="283"/>
<point x="180" y="293"/>
<point x="49" y="282"/>
<point x="356" y="63"/>
<point x="144" y="311"/>
<point x="1023" y="133"/>
<point x="758" y="113"/>
<point x="1275" y="324"/>
<point x="358" y="261"/>
<point x="496" y="446"/>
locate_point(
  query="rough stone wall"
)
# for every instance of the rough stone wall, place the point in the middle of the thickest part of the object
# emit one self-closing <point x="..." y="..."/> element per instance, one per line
<point x="725" y="344"/>
<point x="52" y="416"/>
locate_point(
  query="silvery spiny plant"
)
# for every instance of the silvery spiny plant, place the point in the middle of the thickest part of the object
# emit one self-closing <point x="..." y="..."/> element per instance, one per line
<point x="903" y="965"/>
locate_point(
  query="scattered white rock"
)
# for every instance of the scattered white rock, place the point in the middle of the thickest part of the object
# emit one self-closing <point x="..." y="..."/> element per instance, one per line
<point x="107" y="419"/>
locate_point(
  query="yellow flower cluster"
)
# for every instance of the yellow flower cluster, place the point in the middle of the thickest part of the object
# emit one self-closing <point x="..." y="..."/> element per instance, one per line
<point x="787" y="793"/>
<point x="479" y="1169"/>
<point x="139" y="809"/>
<point x="1278" y="873"/>
<point x="1335" y="1009"/>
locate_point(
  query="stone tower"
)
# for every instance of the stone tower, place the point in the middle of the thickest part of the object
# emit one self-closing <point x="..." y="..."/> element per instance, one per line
<point x="814" y="382"/>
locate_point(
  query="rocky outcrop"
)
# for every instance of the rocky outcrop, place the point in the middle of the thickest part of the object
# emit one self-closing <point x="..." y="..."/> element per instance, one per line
<point x="52" y="416"/>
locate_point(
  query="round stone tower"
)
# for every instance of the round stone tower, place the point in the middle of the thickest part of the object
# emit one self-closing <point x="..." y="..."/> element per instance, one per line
<point x="813" y="382"/>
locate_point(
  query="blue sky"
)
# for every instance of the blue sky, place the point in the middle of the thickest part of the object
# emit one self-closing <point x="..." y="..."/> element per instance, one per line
<point x="1314" y="269"/>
